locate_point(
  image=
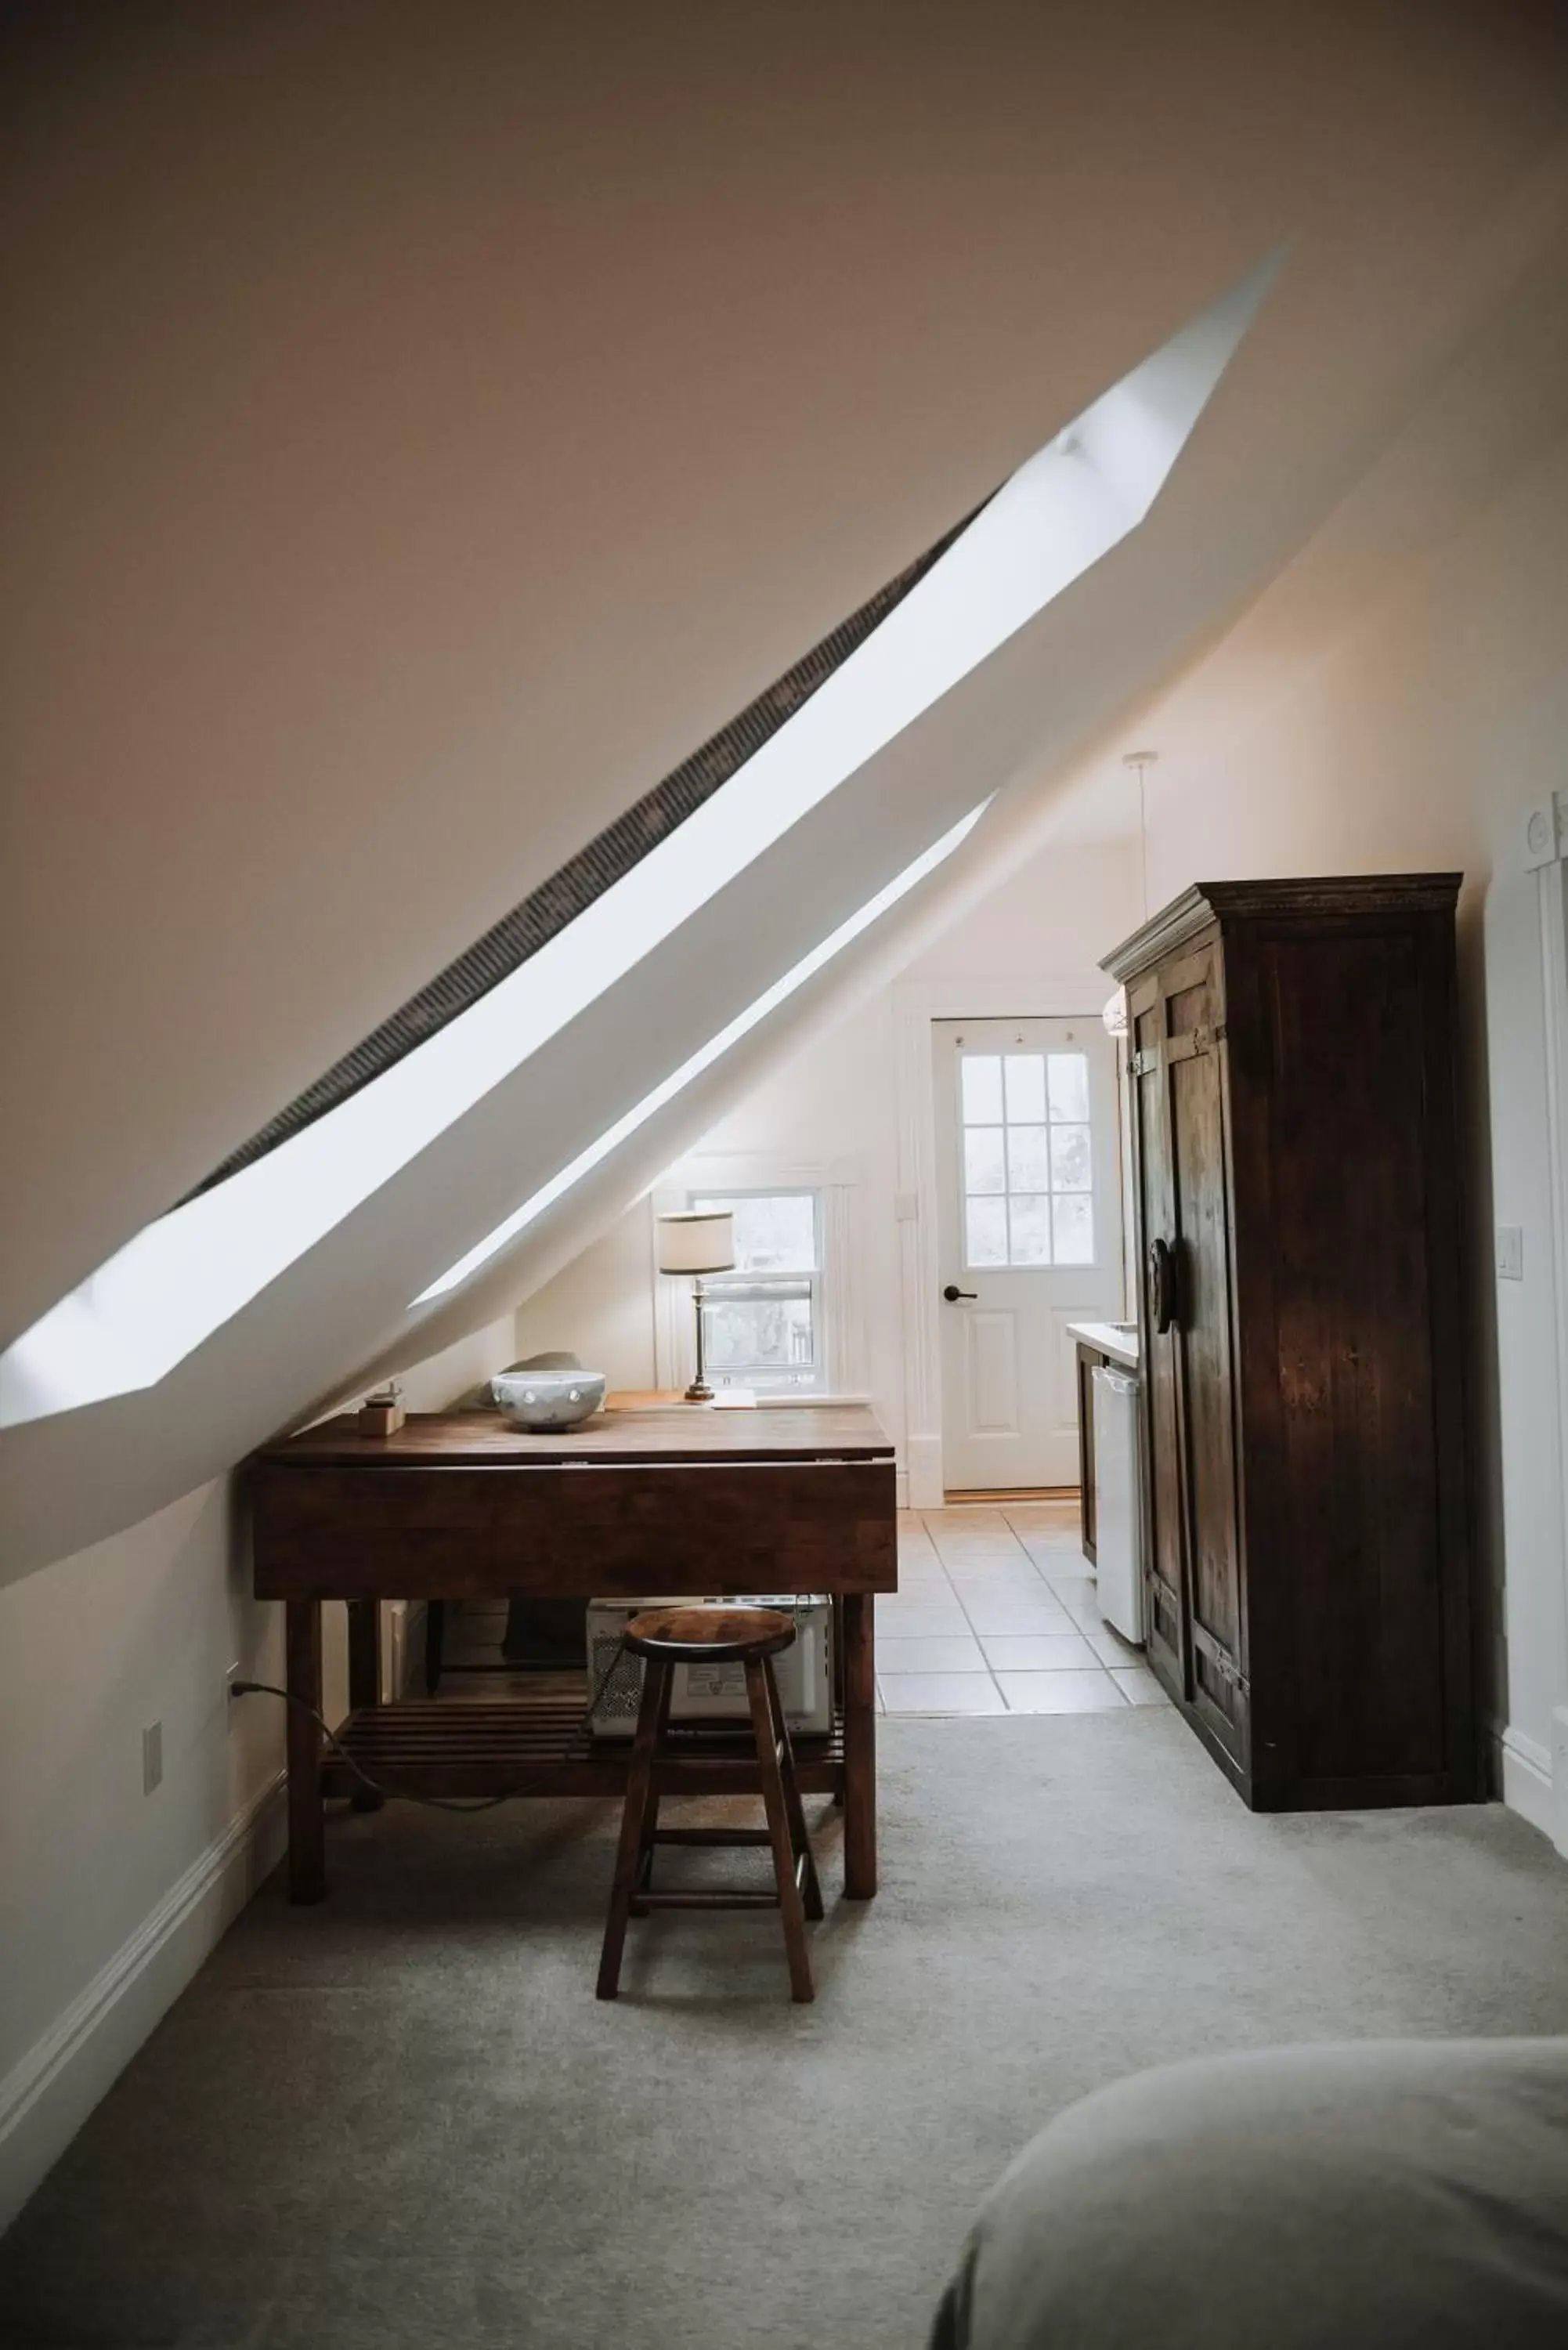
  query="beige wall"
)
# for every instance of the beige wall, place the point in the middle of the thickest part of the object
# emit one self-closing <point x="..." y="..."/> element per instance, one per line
<point x="575" y="379"/>
<point x="141" y="1629"/>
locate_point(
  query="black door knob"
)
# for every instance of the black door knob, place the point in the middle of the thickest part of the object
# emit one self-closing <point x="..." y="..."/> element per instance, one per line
<point x="952" y="1293"/>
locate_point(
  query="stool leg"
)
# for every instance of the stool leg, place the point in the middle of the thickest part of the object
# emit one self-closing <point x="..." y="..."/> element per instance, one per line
<point x="640" y="1800"/>
<point x="796" y="1946"/>
<point x="794" y="1811"/>
<point x="838" y="1679"/>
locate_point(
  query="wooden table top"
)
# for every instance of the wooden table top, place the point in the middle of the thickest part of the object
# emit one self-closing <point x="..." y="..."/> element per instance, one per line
<point x="674" y="1432"/>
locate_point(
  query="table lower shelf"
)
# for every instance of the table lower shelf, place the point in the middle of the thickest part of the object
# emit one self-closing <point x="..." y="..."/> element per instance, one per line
<point x="489" y="1747"/>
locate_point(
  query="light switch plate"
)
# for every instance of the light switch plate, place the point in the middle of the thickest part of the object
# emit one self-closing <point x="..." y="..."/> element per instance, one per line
<point x="1510" y="1252"/>
<point x="1545" y="831"/>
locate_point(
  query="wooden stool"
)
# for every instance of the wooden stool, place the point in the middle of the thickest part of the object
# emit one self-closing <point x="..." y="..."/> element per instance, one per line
<point x="752" y="1637"/>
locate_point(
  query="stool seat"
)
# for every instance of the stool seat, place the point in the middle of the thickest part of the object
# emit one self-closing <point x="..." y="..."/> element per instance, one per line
<point x="709" y="1635"/>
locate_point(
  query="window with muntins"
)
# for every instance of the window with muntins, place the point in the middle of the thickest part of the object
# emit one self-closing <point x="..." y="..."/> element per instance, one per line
<point x="1028" y="1164"/>
<point x="764" y="1321"/>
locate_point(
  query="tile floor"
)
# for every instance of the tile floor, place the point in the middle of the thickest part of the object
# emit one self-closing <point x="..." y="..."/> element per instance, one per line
<point x="995" y="1613"/>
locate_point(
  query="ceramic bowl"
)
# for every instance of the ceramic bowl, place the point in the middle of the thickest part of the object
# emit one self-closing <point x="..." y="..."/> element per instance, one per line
<point x="543" y="1400"/>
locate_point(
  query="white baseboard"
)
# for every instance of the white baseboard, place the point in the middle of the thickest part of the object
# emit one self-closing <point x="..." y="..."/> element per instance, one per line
<point x="924" y="1456"/>
<point x="1527" y="1780"/>
<point x="46" y="2098"/>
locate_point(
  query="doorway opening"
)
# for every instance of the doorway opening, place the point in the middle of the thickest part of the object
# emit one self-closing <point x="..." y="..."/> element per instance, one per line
<point x="1029" y="1242"/>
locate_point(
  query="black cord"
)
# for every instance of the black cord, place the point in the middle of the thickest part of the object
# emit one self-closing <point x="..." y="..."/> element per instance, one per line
<point x="412" y="1794"/>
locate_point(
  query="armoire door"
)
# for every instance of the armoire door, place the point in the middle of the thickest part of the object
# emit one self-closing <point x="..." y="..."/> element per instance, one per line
<point x="1180" y="1075"/>
<point x="1165" y="1546"/>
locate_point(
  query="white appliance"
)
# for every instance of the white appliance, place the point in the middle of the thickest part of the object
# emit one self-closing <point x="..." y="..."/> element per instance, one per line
<point x="1118" y="1520"/>
<point x="713" y="1696"/>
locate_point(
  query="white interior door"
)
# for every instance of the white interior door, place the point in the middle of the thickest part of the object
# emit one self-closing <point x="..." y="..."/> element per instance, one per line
<point x="1029" y="1238"/>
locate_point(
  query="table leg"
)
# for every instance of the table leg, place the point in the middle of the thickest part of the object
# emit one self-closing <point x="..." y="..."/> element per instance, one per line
<point x="859" y="1746"/>
<point x="364" y="1678"/>
<point x="306" y="1823"/>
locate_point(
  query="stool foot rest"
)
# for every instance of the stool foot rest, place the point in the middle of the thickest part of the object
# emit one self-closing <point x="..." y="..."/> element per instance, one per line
<point x="711" y="1836"/>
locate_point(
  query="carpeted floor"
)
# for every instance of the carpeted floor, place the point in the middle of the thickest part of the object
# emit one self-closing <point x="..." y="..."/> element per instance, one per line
<point x="401" y="2120"/>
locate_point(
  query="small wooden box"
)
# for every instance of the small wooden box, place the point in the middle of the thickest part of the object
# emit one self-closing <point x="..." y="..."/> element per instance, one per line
<point x="380" y="1416"/>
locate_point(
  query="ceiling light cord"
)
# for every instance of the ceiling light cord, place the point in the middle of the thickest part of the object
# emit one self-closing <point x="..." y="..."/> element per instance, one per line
<point x="1140" y="761"/>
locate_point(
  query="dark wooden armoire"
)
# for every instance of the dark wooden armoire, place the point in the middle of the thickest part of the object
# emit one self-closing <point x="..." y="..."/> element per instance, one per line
<point x="1291" y="1099"/>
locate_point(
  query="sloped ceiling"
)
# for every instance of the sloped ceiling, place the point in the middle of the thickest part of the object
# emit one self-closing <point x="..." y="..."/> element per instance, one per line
<point x="432" y="424"/>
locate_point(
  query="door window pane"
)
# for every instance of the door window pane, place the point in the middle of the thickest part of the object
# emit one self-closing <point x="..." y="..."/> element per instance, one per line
<point x="1031" y="1222"/>
<point x="1069" y="1159"/>
<point x="1073" y="1218"/>
<point x="1025" y="1089"/>
<point x="986" y="1228"/>
<point x="1028" y="1160"/>
<point x="982" y="1088"/>
<point x="982" y="1161"/>
<point x="1069" y="1088"/>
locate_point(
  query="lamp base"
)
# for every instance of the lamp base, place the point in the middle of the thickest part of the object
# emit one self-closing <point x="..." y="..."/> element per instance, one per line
<point x="698" y="1392"/>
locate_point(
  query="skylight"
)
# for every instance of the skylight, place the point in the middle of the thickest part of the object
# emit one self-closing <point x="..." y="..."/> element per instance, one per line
<point x="713" y="1050"/>
<point x="184" y="1275"/>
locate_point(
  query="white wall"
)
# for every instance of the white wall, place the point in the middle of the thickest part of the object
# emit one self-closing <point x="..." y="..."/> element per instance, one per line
<point x="110" y="1898"/>
<point x="833" y="1104"/>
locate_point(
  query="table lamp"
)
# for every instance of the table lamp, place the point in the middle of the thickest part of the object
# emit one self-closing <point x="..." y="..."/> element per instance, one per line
<point x="701" y="1241"/>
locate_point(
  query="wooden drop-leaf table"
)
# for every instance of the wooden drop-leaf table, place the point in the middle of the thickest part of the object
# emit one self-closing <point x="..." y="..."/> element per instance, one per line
<point x="647" y="1499"/>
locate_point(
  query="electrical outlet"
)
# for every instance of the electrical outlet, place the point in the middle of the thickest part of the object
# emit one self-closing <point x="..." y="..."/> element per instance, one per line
<point x="1510" y="1252"/>
<point x="151" y="1757"/>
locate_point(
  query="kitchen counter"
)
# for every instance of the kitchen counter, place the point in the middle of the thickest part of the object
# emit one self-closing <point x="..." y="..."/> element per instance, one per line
<point x="1108" y="1338"/>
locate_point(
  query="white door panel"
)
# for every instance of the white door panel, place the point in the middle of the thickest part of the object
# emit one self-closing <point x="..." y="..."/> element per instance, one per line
<point x="1029" y="1234"/>
<point x="994" y="1371"/>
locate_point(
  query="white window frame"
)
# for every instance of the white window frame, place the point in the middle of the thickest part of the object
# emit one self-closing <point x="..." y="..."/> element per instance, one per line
<point x="745" y="1285"/>
<point x="836" y="1300"/>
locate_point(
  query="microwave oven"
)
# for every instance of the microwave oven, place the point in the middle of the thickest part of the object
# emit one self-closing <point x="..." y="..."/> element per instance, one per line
<point x="712" y="1696"/>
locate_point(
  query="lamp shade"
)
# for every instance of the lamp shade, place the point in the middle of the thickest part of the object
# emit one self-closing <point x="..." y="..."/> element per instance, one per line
<point x="702" y="1242"/>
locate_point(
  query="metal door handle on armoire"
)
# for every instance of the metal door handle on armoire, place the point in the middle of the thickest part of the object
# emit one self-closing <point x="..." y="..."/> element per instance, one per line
<point x="1161" y="1286"/>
